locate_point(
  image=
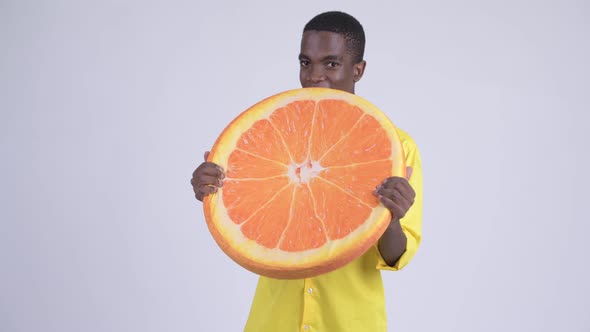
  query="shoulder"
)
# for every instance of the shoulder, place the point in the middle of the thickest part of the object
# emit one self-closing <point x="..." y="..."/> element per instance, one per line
<point x="407" y="141"/>
<point x="410" y="148"/>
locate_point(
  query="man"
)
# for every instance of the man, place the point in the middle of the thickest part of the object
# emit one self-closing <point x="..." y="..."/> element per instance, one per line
<point x="352" y="297"/>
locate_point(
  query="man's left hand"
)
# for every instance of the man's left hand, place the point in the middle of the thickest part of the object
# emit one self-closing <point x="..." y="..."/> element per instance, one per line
<point x="396" y="194"/>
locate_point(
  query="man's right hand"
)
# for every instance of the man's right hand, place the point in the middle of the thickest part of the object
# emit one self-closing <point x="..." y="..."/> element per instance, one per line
<point x="207" y="178"/>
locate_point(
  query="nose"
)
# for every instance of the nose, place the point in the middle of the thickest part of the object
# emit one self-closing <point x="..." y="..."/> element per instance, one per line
<point x="317" y="74"/>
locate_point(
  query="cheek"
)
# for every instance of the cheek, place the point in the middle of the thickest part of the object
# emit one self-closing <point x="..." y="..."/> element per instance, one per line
<point x="341" y="77"/>
<point x="302" y="78"/>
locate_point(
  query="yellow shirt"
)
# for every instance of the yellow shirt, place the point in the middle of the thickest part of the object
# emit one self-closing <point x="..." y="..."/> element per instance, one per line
<point x="348" y="299"/>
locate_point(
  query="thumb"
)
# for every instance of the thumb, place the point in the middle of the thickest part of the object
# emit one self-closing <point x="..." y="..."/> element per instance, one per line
<point x="408" y="172"/>
<point x="206" y="155"/>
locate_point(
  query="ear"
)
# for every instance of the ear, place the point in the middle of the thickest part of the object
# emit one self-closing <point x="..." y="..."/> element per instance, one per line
<point x="359" y="70"/>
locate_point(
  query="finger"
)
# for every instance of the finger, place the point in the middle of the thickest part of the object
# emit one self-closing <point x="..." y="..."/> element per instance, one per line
<point x="406" y="190"/>
<point x="205" y="180"/>
<point x="198" y="186"/>
<point x="400" y="184"/>
<point x="391" y="182"/>
<point x="209" y="168"/>
<point x="208" y="180"/>
<point x="396" y="210"/>
<point x="204" y="191"/>
<point x="396" y="196"/>
<point x="216" y="166"/>
<point x="393" y="194"/>
<point x="206" y="155"/>
<point x="408" y="172"/>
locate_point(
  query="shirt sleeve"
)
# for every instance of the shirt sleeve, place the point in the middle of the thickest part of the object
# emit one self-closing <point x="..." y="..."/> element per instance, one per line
<point x="412" y="222"/>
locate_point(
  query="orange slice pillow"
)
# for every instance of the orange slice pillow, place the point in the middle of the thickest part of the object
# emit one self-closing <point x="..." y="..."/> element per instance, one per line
<point x="301" y="167"/>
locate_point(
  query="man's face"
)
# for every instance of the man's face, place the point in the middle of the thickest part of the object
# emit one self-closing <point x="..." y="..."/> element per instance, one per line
<point x="325" y="62"/>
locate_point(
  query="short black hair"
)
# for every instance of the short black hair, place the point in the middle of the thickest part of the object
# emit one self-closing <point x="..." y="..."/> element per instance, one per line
<point x="344" y="24"/>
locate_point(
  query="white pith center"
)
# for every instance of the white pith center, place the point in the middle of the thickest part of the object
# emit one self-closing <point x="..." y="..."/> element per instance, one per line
<point x="302" y="173"/>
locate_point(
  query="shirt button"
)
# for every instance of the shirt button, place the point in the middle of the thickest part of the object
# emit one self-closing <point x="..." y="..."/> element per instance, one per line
<point x="306" y="327"/>
<point x="310" y="290"/>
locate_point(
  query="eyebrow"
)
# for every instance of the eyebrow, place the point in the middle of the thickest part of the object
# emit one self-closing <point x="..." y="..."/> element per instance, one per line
<point x="326" y="58"/>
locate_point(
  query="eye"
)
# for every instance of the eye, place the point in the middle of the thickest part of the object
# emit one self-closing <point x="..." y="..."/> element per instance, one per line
<point x="332" y="64"/>
<point x="303" y="63"/>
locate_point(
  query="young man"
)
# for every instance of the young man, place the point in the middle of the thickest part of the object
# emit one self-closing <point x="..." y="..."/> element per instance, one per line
<point x="352" y="297"/>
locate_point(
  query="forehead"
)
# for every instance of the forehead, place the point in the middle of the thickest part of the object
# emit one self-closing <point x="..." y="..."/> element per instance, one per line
<point x="322" y="43"/>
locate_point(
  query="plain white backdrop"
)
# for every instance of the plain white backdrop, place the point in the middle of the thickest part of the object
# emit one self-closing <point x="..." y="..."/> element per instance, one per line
<point x="106" y="108"/>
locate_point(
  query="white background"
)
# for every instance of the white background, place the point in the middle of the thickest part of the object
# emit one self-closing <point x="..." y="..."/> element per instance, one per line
<point x="107" y="106"/>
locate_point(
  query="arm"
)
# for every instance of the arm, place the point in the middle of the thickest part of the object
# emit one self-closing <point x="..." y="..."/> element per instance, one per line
<point x="392" y="243"/>
<point x="398" y="196"/>
<point x="391" y="258"/>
